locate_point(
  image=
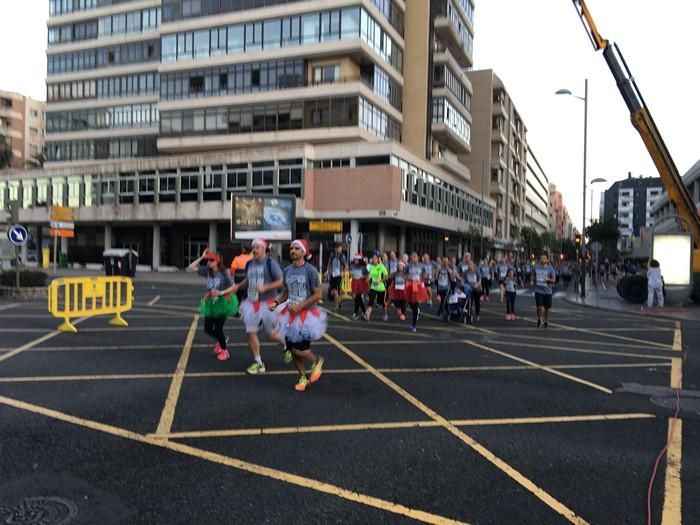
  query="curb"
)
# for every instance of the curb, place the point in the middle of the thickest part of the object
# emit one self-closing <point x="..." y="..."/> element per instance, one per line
<point x="629" y="312"/>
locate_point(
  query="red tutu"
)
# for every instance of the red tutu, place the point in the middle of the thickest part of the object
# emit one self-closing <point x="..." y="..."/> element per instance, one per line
<point x="396" y="295"/>
<point x="359" y="286"/>
<point x="415" y="292"/>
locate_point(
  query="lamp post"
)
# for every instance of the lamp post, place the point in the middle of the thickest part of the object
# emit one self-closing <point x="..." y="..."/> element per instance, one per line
<point x="585" y="146"/>
<point x="594" y="181"/>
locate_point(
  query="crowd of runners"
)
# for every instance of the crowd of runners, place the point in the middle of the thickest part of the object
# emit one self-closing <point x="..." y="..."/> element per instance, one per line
<point x="283" y="303"/>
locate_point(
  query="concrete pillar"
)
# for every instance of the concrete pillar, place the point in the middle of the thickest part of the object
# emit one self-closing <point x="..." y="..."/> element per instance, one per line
<point x="381" y="237"/>
<point x="355" y="234"/>
<point x="23" y="253"/>
<point x="212" y="237"/>
<point x="440" y="245"/>
<point x="402" y="241"/>
<point x="108" y="236"/>
<point x="155" y="264"/>
<point x="64" y="246"/>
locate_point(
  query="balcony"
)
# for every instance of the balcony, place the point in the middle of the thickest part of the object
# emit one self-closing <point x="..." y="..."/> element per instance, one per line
<point x="448" y="161"/>
<point x="449" y="35"/>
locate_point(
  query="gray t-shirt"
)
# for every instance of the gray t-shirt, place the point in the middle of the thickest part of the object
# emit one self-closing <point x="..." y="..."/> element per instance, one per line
<point x="337" y="264"/>
<point x="300" y="282"/>
<point x="217" y="281"/>
<point x="542" y="273"/>
<point x="262" y="272"/>
<point x="510" y="284"/>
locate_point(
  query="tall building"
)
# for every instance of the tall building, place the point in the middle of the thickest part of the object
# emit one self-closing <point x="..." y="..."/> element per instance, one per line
<point x="159" y="110"/>
<point x="22" y="127"/>
<point x="662" y="206"/>
<point x="498" y="157"/>
<point x="629" y="203"/>
<point x="557" y="213"/>
<point x="536" y="195"/>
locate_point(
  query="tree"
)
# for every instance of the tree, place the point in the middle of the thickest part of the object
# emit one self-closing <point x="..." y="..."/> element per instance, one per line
<point x="5" y="151"/>
<point x="531" y="240"/>
<point x="476" y="242"/>
<point x="606" y="233"/>
<point x="568" y="248"/>
<point x="550" y="242"/>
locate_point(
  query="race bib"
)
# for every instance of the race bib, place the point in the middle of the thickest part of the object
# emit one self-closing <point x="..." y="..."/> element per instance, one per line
<point x="399" y="286"/>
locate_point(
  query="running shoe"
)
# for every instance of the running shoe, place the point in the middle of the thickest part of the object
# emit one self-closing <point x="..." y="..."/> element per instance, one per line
<point x="223" y="355"/>
<point x="287" y="356"/>
<point x="539" y="323"/>
<point x="316" y="370"/>
<point x="355" y="317"/>
<point x="546" y="324"/>
<point x="256" y="368"/>
<point x="301" y="384"/>
<point x="412" y="328"/>
<point x="402" y="317"/>
<point x="385" y="317"/>
<point x="218" y="349"/>
<point x="507" y="317"/>
<point x="365" y="318"/>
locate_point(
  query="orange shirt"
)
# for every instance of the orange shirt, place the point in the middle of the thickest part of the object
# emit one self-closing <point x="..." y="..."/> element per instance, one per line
<point x="239" y="261"/>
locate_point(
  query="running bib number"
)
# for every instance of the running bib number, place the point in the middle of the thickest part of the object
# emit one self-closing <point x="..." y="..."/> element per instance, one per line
<point x="399" y="286"/>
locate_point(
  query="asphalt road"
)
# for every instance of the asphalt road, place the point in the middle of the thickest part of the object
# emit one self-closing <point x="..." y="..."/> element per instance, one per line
<point x="495" y="423"/>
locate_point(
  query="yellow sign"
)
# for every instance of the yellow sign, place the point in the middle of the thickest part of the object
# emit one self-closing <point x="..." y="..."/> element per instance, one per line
<point x="62" y="214"/>
<point x="326" y="226"/>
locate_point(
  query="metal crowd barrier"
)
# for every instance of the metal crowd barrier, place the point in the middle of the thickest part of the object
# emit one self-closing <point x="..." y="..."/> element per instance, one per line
<point x="89" y="296"/>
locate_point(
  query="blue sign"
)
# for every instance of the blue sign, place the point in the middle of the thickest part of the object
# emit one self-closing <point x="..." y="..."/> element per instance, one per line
<point x="18" y="235"/>
<point x="348" y="239"/>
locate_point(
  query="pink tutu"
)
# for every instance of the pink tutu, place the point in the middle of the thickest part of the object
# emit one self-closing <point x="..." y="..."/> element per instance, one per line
<point x="255" y="312"/>
<point x="308" y="325"/>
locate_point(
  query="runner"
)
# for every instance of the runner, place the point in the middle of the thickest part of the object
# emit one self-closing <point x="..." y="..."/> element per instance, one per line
<point x="428" y="277"/>
<point x="543" y="278"/>
<point x="509" y="285"/>
<point x="359" y="284"/>
<point x="300" y="320"/>
<point x="502" y="269"/>
<point x="485" y="270"/>
<point x="415" y="292"/>
<point x="337" y="264"/>
<point x="238" y="265"/>
<point x="215" y="308"/>
<point x="397" y="288"/>
<point x="263" y="280"/>
<point x="444" y="283"/>
<point x="473" y="278"/>
<point x="378" y="275"/>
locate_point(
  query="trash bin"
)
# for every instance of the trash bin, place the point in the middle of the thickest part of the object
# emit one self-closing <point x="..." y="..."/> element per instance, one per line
<point x="63" y="261"/>
<point x="120" y="262"/>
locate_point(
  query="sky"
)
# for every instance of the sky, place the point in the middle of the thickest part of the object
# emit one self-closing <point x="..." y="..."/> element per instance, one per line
<point x="536" y="47"/>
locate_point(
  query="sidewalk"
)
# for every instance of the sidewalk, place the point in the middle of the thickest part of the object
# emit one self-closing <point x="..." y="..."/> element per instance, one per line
<point x="605" y="297"/>
<point x="149" y="277"/>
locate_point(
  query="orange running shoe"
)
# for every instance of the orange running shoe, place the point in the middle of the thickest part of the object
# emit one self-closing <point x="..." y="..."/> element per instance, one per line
<point x="301" y="384"/>
<point x="316" y="370"/>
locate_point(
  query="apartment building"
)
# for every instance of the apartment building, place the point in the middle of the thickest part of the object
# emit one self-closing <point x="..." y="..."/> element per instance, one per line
<point x="536" y="195"/>
<point x="158" y="111"/>
<point x="22" y="126"/>
<point x="662" y="207"/>
<point x="629" y="202"/>
<point x="498" y="157"/>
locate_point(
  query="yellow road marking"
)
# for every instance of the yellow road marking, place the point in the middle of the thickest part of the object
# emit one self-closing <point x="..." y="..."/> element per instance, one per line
<point x="542" y="367"/>
<point x="400" y="424"/>
<point x="578" y="341"/>
<point x="604" y="334"/>
<point x="671" y="514"/>
<point x="544" y="496"/>
<point x="166" y="418"/>
<point x="582" y="351"/>
<point x="35" y="342"/>
<point x="677" y="337"/>
<point x="245" y="466"/>
<point x="198" y="375"/>
<point x="364" y="328"/>
<point x="154" y="300"/>
<point x="135" y="329"/>
<point x="8" y="306"/>
<point x="336" y="314"/>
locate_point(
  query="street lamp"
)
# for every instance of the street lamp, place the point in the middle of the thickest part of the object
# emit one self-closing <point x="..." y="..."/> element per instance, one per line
<point x="594" y="181"/>
<point x="585" y="146"/>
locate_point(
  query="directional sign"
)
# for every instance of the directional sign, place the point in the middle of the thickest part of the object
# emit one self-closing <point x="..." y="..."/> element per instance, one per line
<point x="348" y="239"/>
<point x="18" y="235"/>
<point x="596" y="247"/>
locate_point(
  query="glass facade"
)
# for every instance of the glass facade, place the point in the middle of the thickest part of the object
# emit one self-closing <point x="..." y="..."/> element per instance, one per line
<point x="444" y="77"/>
<point x="341" y="24"/>
<point x="111" y="148"/>
<point x="109" y="87"/>
<point x="148" y="51"/>
<point x="116" y="117"/>
<point x="445" y="113"/>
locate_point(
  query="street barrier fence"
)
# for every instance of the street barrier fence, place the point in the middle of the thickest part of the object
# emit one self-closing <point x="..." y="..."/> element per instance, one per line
<point x="90" y="296"/>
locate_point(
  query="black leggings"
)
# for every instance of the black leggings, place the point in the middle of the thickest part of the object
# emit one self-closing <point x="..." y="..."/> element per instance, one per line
<point x="510" y="302"/>
<point x="400" y="305"/>
<point x="443" y="293"/>
<point x="476" y="296"/>
<point x="414" y="309"/>
<point x="214" y="326"/>
<point x="359" y="304"/>
<point x="486" y="283"/>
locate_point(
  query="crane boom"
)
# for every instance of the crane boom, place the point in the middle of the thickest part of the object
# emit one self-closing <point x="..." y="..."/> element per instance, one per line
<point x="671" y="179"/>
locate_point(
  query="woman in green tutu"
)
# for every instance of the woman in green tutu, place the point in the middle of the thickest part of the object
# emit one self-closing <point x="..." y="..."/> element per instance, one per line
<point x="215" y="306"/>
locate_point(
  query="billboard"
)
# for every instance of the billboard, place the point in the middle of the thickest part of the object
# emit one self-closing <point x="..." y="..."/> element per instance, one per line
<point x="271" y="217"/>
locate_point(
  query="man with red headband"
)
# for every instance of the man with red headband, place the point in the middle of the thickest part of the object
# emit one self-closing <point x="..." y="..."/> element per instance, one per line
<point x="263" y="277"/>
<point x="301" y="321"/>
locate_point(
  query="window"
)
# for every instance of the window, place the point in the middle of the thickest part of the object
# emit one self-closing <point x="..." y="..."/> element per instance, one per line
<point x="201" y="44"/>
<point x="272" y="33"/>
<point x="326" y="74"/>
<point x="253" y="36"/>
<point x="235" y="39"/>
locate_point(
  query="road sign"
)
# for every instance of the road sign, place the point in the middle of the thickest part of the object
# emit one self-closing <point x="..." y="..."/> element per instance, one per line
<point x="62" y="214"/>
<point x="18" y="235"/>
<point x="596" y="247"/>
<point x="62" y="232"/>
<point x="348" y="239"/>
<point x="326" y="226"/>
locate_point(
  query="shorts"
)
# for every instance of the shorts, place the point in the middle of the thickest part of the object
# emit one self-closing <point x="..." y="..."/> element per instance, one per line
<point x="501" y="282"/>
<point x="335" y="283"/>
<point x="299" y="345"/>
<point x="543" y="300"/>
<point x="376" y="298"/>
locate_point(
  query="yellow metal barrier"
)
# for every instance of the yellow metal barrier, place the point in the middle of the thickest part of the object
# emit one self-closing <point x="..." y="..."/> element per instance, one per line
<point x="346" y="286"/>
<point x="320" y="282"/>
<point x="87" y="296"/>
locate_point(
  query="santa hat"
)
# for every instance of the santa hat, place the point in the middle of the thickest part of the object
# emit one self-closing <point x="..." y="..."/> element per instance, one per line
<point x="211" y="256"/>
<point x="358" y="256"/>
<point x="303" y="245"/>
<point x="259" y="242"/>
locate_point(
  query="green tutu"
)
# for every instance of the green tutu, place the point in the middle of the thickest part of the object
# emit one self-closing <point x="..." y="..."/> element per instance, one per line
<point x="219" y="306"/>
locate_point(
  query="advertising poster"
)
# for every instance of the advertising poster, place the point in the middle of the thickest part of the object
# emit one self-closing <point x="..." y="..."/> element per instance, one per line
<point x="268" y="216"/>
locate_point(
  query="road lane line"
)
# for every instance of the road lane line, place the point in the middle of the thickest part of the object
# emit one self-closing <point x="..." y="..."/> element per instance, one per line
<point x="538" y="492"/>
<point x="168" y="414"/>
<point x="35" y="342"/>
<point x="582" y="341"/>
<point x="154" y="300"/>
<point x="198" y="375"/>
<point x="399" y="425"/>
<point x="8" y="306"/>
<point x="542" y="367"/>
<point x="582" y="351"/>
<point x="252" y="468"/>
<point x="672" y="509"/>
<point x="677" y="337"/>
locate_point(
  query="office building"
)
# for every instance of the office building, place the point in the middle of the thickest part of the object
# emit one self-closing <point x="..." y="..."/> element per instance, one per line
<point x="629" y="203"/>
<point x="536" y="195"/>
<point x="158" y="111"/>
<point x="22" y="125"/>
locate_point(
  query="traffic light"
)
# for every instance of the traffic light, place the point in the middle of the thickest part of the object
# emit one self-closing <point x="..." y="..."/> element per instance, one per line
<point x="578" y="239"/>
